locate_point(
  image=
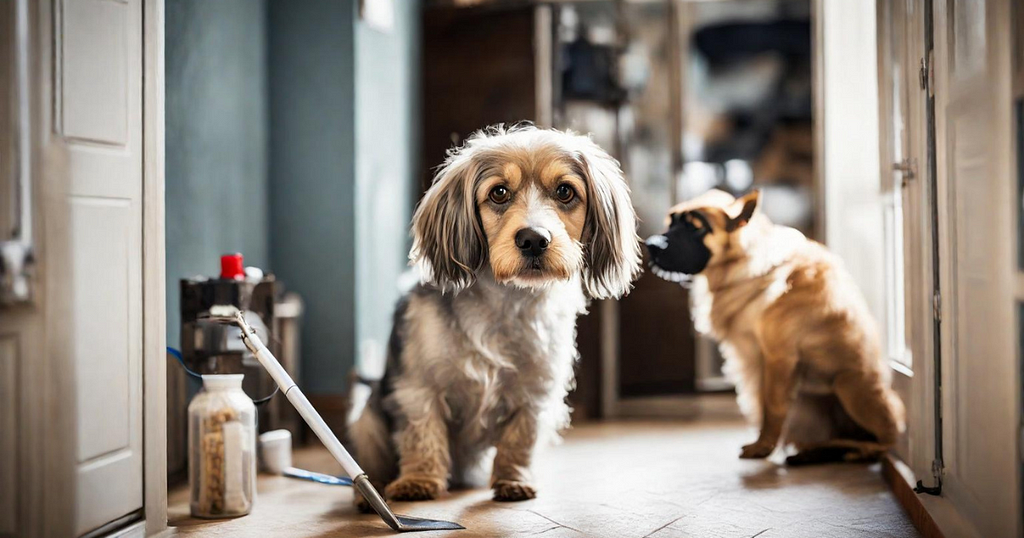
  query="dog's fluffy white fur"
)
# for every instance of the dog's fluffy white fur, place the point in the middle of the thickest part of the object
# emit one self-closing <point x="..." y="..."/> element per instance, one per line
<point x="482" y="352"/>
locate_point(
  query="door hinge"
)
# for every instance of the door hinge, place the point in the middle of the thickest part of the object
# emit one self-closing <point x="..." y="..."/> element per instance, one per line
<point x="936" y="490"/>
<point x="907" y="168"/>
<point x="937" y="307"/>
<point x="926" y="74"/>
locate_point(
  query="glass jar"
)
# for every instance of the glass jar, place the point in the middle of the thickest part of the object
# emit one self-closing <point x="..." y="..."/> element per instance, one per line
<point x="222" y="448"/>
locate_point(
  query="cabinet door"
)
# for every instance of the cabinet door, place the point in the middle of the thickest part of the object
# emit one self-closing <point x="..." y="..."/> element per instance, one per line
<point x="98" y="115"/>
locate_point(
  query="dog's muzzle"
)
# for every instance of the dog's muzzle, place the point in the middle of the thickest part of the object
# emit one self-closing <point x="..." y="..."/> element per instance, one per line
<point x="678" y="254"/>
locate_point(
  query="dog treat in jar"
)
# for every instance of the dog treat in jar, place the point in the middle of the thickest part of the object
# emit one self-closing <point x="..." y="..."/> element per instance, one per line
<point x="222" y="449"/>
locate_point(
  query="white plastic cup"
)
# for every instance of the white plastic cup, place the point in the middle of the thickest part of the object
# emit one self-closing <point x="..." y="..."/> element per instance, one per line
<point x="276" y="451"/>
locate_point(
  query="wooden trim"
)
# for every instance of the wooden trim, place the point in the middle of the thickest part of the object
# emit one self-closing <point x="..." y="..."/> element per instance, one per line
<point x="720" y="406"/>
<point x="818" y="117"/>
<point x="609" y="357"/>
<point x="910" y="501"/>
<point x="48" y="421"/>
<point x="153" y="270"/>
<point x="543" y="53"/>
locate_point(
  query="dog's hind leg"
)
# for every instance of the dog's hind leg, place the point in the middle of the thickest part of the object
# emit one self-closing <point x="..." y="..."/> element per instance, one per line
<point x="370" y="440"/>
<point x="874" y="407"/>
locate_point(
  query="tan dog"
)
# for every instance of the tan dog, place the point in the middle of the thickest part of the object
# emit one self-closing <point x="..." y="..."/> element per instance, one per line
<point x="795" y="331"/>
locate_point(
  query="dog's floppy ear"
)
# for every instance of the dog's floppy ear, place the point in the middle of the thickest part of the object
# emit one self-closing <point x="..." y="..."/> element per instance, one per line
<point x="610" y="241"/>
<point x="448" y="241"/>
<point x="749" y="202"/>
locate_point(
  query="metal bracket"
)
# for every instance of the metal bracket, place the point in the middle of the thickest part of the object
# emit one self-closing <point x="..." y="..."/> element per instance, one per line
<point x="921" y="488"/>
<point x="937" y="307"/>
<point x="937" y="476"/>
<point x="922" y="74"/>
<point x="926" y="75"/>
<point x="16" y="261"/>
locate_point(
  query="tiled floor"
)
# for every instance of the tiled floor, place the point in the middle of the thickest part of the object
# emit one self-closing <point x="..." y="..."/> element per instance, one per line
<point x="621" y="480"/>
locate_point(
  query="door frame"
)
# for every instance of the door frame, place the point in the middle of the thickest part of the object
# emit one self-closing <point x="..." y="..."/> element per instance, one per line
<point x="915" y="384"/>
<point x="154" y="326"/>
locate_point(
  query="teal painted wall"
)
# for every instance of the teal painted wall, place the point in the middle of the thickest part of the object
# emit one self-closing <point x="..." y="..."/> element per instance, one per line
<point x="292" y="137"/>
<point x="312" y="171"/>
<point x="216" y="140"/>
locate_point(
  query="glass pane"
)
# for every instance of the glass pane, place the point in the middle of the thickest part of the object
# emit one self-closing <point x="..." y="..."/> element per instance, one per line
<point x="615" y="85"/>
<point x="646" y="126"/>
<point x="747" y="105"/>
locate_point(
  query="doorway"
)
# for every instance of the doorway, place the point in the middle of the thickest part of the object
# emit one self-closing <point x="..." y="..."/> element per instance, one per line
<point x="689" y="96"/>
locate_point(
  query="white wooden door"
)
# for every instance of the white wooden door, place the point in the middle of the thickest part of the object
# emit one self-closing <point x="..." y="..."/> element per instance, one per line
<point x="976" y="194"/>
<point x="71" y="436"/>
<point x="98" y="113"/>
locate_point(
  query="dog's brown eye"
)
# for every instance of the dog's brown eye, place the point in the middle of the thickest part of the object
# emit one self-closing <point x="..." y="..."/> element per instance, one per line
<point x="499" y="194"/>
<point x="564" y="193"/>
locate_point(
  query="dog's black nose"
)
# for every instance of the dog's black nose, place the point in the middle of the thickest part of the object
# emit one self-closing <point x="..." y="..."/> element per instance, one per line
<point x="533" y="241"/>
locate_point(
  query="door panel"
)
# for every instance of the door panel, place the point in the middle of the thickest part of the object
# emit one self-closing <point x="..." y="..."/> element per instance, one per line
<point x="978" y="330"/>
<point x="977" y="290"/>
<point x="101" y="236"/>
<point x="95" y="54"/>
<point x="99" y="115"/>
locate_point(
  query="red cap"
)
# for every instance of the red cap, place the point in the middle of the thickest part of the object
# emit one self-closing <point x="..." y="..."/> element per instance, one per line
<point x="231" y="267"/>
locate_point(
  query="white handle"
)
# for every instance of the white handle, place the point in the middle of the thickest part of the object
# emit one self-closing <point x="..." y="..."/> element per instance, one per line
<point x="298" y="399"/>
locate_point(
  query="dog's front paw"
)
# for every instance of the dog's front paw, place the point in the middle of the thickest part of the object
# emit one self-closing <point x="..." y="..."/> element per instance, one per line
<point x="414" y="489"/>
<point x="757" y="450"/>
<point x="511" y="491"/>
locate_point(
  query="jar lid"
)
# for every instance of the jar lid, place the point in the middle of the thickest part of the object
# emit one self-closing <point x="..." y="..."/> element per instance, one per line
<point x="275" y="436"/>
<point x="222" y="381"/>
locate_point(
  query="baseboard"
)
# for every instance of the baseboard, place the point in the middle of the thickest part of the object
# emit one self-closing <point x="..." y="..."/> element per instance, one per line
<point x="720" y="406"/>
<point x="900" y="484"/>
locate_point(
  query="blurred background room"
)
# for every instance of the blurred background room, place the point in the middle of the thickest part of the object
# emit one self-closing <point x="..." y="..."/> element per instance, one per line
<point x="149" y="138"/>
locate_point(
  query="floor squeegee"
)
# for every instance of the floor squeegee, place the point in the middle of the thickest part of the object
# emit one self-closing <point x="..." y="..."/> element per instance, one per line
<point x="400" y="523"/>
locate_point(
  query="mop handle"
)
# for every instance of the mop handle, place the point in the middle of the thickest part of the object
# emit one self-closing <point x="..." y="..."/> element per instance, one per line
<point x="297" y="398"/>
